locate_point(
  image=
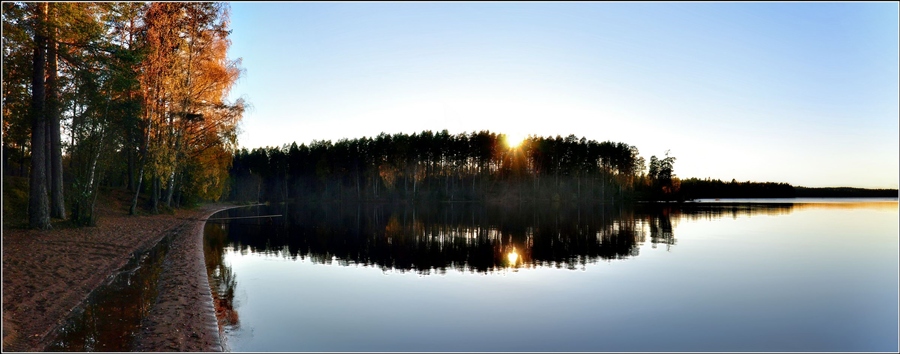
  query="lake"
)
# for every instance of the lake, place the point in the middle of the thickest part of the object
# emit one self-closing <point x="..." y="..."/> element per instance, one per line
<point x="808" y="275"/>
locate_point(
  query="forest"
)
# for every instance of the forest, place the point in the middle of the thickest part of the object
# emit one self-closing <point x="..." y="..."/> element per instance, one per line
<point x="439" y="166"/>
<point x="123" y="94"/>
<point x="483" y="166"/>
<point x="695" y="188"/>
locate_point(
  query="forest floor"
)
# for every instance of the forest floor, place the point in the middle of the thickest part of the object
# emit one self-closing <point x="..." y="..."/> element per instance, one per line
<point x="48" y="274"/>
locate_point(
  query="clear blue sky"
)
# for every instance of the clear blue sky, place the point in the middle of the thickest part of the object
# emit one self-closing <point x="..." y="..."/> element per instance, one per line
<point x="804" y="93"/>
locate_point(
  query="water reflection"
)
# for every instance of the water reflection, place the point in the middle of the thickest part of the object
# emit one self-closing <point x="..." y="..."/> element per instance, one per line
<point x="222" y="280"/>
<point x="728" y="285"/>
<point x="111" y="316"/>
<point x="660" y="225"/>
<point x="712" y="211"/>
<point x="469" y="237"/>
<point x="435" y="238"/>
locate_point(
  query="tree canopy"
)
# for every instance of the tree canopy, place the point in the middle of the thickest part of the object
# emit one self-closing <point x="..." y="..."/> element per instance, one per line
<point x="116" y="94"/>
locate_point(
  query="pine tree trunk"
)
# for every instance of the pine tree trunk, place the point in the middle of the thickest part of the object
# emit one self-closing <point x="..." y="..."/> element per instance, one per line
<point x="603" y="189"/>
<point x="143" y="162"/>
<point x="474" y="177"/>
<point x="47" y="165"/>
<point x="154" y="196"/>
<point x="38" y="203"/>
<point x="130" y="169"/>
<point x="57" y="202"/>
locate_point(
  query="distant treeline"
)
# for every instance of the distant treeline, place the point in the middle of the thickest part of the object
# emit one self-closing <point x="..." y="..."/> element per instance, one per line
<point x="843" y="192"/>
<point x="443" y="166"/>
<point x="694" y="188"/>
<point x="482" y="166"/>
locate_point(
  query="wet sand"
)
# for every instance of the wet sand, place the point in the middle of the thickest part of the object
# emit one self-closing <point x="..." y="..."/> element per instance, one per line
<point x="47" y="274"/>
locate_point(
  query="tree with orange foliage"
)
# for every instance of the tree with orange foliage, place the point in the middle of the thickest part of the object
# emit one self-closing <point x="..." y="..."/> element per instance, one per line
<point x="185" y="81"/>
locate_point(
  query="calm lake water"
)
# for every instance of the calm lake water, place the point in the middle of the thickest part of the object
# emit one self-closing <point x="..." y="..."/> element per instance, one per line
<point x="816" y="275"/>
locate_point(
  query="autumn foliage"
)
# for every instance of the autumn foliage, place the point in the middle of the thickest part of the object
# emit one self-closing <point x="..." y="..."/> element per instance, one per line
<point x="130" y="95"/>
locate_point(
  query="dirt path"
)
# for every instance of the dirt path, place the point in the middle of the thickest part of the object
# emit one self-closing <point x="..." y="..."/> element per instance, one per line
<point x="46" y="274"/>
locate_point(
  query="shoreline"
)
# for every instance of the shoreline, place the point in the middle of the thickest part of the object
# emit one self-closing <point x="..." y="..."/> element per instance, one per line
<point x="49" y="274"/>
<point x="183" y="318"/>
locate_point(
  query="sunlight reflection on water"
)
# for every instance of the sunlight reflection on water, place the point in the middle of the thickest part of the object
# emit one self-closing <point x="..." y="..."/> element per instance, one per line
<point x="792" y="277"/>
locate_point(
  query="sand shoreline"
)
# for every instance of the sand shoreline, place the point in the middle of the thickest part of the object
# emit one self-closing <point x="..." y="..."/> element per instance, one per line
<point x="48" y="274"/>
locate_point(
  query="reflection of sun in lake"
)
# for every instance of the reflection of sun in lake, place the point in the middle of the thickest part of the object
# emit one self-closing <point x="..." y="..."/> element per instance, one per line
<point x="514" y="140"/>
<point x="512" y="256"/>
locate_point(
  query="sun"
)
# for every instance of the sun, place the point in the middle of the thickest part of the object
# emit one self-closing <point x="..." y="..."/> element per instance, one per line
<point x="512" y="257"/>
<point x="514" y="140"/>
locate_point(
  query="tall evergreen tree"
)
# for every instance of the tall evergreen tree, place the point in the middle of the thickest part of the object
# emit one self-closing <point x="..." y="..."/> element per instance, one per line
<point x="38" y="203"/>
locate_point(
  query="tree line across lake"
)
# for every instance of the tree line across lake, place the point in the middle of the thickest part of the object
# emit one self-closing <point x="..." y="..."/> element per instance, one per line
<point x="694" y="188"/>
<point x="474" y="166"/>
<point x="483" y="166"/>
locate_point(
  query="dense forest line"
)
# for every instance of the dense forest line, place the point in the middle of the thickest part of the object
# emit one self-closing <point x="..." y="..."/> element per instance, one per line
<point x="477" y="166"/>
<point x="843" y="192"/>
<point x="123" y="94"/>
<point x="482" y="166"/>
<point x="693" y="188"/>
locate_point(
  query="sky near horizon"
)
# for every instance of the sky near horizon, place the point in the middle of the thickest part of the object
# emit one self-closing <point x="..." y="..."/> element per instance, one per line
<point x="804" y="93"/>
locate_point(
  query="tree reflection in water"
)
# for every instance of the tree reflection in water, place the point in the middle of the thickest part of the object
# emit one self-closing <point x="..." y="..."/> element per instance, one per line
<point x="222" y="280"/>
<point x="111" y="316"/>
<point x="427" y="239"/>
<point x="430" y="239"/>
